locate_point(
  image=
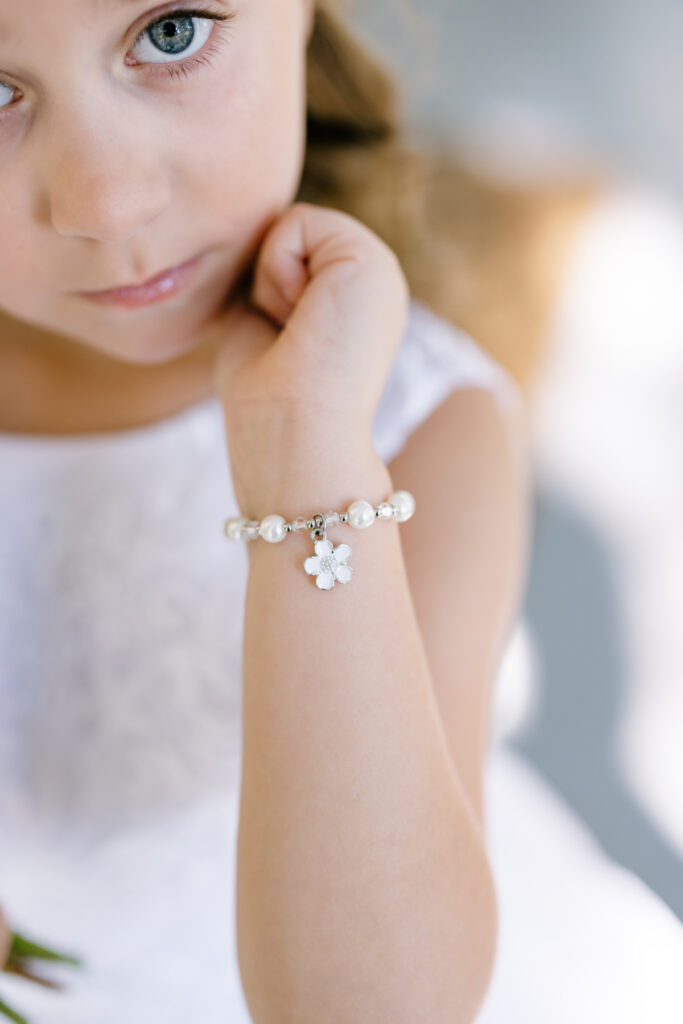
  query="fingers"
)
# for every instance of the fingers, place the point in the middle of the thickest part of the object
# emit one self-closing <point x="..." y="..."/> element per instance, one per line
<point x="308" y="261"/>
<point x="281" y="271"/>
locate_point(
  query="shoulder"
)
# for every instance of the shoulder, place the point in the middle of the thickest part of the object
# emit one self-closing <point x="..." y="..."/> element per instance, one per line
<point x="457" y="395"/>
<point x="468" y="466"/>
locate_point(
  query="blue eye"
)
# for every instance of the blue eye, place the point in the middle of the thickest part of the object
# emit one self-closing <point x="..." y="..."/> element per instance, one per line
<point x="178" y="34"/>
<point x="171" y="37"/>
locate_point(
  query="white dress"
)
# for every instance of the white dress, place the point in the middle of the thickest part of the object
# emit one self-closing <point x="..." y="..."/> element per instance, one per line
<point x="121" y="618"/>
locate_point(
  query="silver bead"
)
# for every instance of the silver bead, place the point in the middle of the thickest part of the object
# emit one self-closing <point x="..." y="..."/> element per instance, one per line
<point x="272" y="528"/>
<point x="384" y="511"/>
<point x="361" y="515"/>
<point x="404" y="505"/>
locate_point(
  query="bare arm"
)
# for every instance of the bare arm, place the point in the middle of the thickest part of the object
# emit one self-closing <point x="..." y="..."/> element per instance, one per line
<point x="363" y="888"/>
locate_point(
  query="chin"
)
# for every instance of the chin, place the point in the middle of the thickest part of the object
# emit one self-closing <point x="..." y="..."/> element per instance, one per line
<point x="168" y="339"/>
<point x="182" y="332"/>
<point x="156" y="349"/>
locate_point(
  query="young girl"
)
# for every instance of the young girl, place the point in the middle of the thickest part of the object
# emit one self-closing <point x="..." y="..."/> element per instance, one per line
<point x="236" y="796"/>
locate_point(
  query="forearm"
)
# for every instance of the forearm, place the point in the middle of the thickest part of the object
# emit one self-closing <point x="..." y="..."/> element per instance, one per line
<point x="363" y="888"/>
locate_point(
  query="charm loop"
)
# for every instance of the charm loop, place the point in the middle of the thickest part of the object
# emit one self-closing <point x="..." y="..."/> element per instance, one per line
<point x="318" y="531"/>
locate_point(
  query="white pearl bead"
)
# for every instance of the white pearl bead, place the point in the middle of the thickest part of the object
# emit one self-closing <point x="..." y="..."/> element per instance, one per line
<point x="272" y="528"/>
<point x="233" y="528"/>
<point x="361" y="515"/>
<point x="405" y="504"/>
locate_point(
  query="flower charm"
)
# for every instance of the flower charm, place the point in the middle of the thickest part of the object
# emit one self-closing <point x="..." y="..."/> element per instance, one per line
<point x="328" y="564"/>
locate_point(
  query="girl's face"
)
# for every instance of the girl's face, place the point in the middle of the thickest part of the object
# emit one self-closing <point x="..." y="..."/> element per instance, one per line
<point x="132" y="138"/>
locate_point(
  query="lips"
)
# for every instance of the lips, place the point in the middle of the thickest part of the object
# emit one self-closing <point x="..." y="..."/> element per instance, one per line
<point x="164" y="284"/>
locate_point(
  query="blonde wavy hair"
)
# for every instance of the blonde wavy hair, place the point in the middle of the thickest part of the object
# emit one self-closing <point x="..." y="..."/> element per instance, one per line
<point x="487" y="257"/>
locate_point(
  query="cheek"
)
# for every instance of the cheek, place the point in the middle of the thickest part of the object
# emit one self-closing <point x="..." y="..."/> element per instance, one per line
<point x="248" y="139"/>
<point x="20" y="272"/>
<point x="234" y="155"/>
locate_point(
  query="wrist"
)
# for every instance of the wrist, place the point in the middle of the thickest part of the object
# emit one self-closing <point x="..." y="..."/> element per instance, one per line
<point x="293" y="467"/>
<point x="303" y="483"/>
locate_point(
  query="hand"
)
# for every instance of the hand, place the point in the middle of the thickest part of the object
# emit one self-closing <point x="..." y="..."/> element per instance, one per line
<point x="316" y="336"/>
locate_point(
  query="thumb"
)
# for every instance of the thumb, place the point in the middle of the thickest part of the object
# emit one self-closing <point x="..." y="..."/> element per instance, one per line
<point x="238" y="337"/>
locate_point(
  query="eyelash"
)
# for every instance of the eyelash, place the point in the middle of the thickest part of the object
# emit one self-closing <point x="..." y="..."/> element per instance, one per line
<point x="182" y="69"/>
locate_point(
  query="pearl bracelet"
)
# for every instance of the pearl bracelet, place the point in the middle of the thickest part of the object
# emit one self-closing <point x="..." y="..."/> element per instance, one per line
<point x="328" y="565"/>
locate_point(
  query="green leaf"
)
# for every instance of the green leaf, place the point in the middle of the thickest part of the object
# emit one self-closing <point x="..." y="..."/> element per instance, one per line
<point x="23" y="947"/>
<point x="7" y="1011"/>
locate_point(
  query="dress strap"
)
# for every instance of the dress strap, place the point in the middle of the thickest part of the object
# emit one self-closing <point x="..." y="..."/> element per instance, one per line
<point x="435" y="357"/>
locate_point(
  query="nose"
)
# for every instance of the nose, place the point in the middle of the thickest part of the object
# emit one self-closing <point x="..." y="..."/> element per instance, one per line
<point x="104" y="184"/>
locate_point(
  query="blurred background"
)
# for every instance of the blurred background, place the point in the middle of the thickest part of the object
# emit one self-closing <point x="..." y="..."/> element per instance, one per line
<point x="539" y="91"/>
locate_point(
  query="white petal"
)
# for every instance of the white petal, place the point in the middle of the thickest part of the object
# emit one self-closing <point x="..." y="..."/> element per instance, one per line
<point x="343" y="573"/>
<point x="342" y="552"/>
<point x="325" y="580"/>
<point x="312" y="565"/>
<point x="323" y="547"/>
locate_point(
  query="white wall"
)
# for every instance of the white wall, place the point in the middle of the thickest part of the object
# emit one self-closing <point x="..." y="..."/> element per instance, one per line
<point x="542" y="81"/>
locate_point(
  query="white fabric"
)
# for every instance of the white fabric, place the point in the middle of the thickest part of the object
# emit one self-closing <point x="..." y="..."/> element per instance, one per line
<point x="121" y="615"/>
